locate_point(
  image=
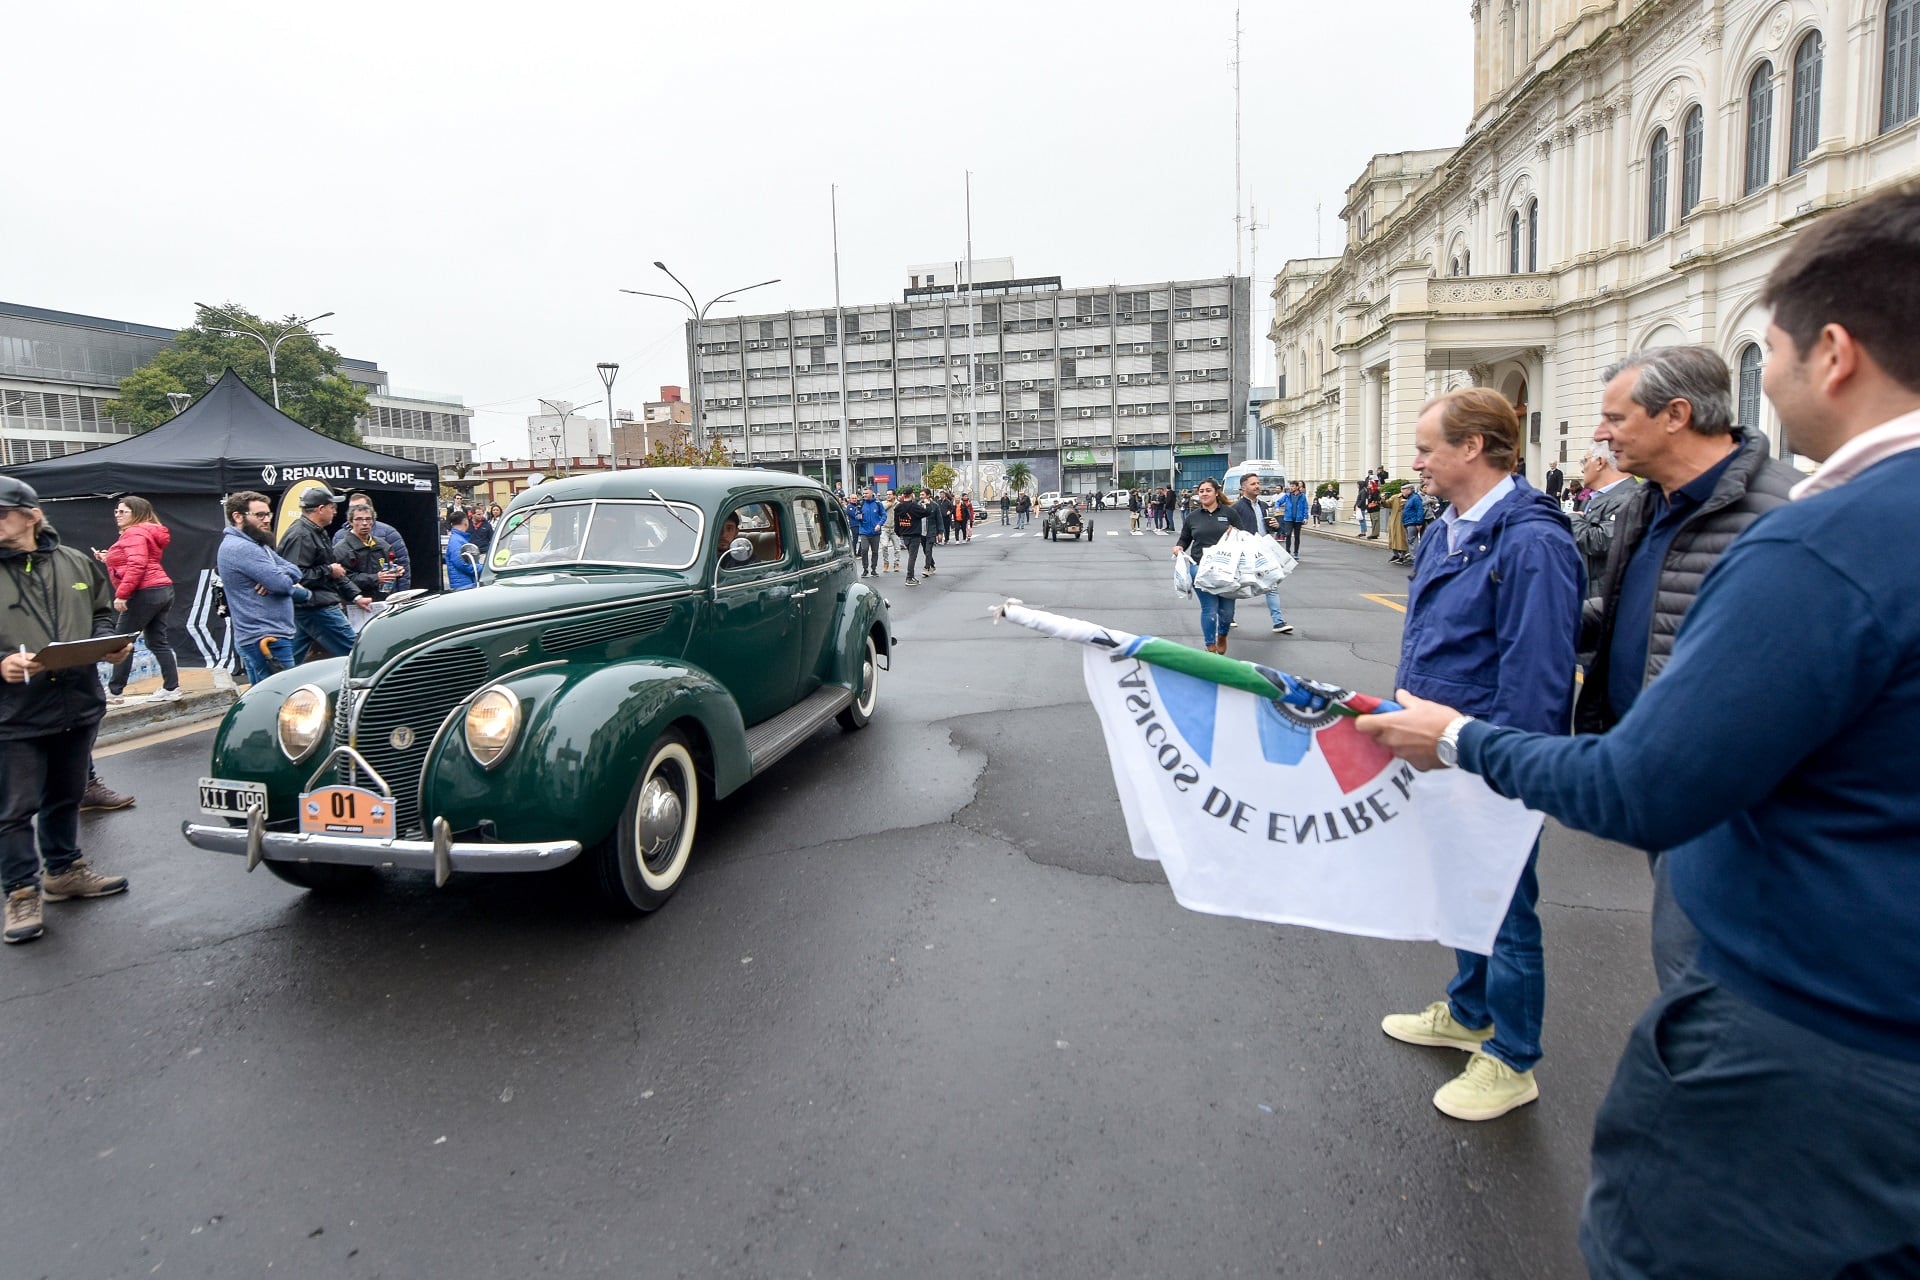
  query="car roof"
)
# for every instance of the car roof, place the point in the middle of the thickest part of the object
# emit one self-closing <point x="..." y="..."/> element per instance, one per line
<point x="710" y="488"/>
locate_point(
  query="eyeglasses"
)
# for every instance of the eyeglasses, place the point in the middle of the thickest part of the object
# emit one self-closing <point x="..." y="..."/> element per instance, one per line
<point x="259" y="515"/>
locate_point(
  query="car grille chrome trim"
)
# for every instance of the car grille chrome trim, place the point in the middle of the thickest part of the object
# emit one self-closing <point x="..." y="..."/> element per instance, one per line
<point x="619" y="624"/>
<point x="421" y="692"/>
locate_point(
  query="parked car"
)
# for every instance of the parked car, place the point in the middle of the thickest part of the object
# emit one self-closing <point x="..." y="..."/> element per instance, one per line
<point x="645" y="644"/>
<point x="1048" y="500"/>
<point x="1116" y="499"/>
<point x="1066" y="520"/>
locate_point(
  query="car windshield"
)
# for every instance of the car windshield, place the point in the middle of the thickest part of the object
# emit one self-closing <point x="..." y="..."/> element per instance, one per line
<point x="642" y="534"/>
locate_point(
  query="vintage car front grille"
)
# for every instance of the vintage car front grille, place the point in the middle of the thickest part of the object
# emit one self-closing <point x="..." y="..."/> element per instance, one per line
<point x="418" y="695"/>
<point x="617" y="624"/>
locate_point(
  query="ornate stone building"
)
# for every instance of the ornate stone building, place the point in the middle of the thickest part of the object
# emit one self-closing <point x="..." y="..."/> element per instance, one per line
<point x="1631" y="172"/>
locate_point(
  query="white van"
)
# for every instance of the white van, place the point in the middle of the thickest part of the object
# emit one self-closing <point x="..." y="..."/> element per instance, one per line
<point x="1273" y="476"/>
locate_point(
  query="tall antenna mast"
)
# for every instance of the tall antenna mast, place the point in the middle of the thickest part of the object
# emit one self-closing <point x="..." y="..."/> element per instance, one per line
<point x="1237" y="217"/>
<point x="840" y="354"/>
<point x="1316" y="228"/>
<point x="973" y="365"/>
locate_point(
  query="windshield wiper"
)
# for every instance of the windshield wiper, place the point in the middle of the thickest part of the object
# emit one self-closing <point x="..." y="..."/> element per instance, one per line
<point x="675" y="514"/>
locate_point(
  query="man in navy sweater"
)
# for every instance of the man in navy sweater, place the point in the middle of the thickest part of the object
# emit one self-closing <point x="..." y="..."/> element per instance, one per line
<point x="1762" y="1120"/>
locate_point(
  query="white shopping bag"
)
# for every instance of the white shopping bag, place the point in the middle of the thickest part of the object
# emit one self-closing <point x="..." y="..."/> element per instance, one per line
<point x="1182" y="576"/>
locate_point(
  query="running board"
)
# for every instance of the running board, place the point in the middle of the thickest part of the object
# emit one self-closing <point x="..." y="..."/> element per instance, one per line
<point x="771" y="739"/>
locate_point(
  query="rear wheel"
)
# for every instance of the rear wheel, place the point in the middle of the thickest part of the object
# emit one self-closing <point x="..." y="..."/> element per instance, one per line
<point x="866" y="694"/>
<point x="640" y="865"/>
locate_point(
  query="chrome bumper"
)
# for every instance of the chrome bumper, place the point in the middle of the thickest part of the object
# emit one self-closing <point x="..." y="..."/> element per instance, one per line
<point x="440" y="855"/>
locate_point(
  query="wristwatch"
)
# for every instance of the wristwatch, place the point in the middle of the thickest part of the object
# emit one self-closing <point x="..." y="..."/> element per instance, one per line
<point x="1448" y="748"/>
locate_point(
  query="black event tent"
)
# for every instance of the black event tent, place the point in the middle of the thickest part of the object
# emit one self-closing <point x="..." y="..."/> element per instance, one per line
<point x="229" y="439"/>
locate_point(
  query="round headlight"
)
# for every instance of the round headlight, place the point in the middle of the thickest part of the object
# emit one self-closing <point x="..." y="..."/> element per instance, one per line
<point x="492" y="720"/>
<point x="303" y="722"/>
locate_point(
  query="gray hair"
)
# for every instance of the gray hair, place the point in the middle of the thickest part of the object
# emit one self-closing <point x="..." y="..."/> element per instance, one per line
<point x="1695" y="374"/>
<point x="1601" y="450"/>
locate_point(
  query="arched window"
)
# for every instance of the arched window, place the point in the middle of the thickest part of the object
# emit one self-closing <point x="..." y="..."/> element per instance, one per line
<point x="1804" y="132"/>
<point x="1513" y="244"/>
<point x="1759" y="128"/>
<point x="1658" y="162"/>
<point x="1533" y="235"/>
<point x="1693" y="144"/>
<point x="1749" y="387"/>
<point x="1900" y="69"/>
<point x="1453" y="267"/>
<point x="1466" y="262"/>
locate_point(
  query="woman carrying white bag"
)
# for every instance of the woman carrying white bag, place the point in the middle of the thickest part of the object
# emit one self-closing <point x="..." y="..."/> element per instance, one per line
<point x="1201" y="529"/>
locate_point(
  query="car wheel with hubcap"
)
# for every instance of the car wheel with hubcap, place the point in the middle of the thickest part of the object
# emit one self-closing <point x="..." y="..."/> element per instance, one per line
<point x="866" y="694"/>
<point x="640" y="865"/>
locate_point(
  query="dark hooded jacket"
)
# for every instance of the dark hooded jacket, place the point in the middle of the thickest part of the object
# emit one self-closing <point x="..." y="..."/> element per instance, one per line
<point x="1491" y="627"/>
<point x="1752" y="485"/>
<point x="47" y="594"/>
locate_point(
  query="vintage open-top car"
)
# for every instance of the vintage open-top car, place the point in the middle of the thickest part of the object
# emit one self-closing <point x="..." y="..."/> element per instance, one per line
<point x="1066" y="520"/>
<point x="644" y="641"/>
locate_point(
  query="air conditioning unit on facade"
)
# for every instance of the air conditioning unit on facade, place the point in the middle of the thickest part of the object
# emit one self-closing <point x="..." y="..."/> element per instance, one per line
<point x="1213" y="435"/>
<point x="805" y="398"/>
<point x="1218" y="342"/>
<point x="1086" y="413"/>
<point x="1180" y="344"/>
<point x="1027" y="385"/>
<point x="1139" y="348"/>
<point x="803" y="368"/>
<point x="1213" y="311"/>
<point x="1125" y="378"/>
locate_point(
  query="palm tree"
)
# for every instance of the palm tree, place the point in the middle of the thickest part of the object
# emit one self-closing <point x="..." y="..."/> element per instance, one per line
<point x="1019" y="476"/>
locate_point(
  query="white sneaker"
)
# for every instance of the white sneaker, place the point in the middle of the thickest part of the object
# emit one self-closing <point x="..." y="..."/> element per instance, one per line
<point x="164" y="695"/>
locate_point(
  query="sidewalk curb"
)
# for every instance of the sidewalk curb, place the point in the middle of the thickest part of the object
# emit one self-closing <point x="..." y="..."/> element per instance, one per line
<point x="136" y="719"/>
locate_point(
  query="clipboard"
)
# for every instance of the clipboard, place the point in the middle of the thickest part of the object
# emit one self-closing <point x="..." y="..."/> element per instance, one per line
<point x="65" y="654"/>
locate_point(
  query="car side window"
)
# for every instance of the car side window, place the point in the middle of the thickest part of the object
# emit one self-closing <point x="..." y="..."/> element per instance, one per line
<point x="759" y="524"/>
<point x="810" y="525"/>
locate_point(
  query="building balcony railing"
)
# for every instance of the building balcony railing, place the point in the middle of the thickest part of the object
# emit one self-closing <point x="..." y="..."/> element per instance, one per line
<point x="1491" y="295"/>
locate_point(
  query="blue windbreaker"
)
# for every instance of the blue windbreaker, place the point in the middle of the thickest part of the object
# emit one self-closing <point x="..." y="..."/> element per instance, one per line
<point x="868" y="517"/>
<point x="1491" y="628"/>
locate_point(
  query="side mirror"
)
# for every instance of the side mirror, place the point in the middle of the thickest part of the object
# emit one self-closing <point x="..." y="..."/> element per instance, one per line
<point x="740" y="551"/>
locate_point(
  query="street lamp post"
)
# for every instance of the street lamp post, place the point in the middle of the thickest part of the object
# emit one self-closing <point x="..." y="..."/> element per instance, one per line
<point x="699" y="313"/>
<point x="564" y="415"/>
<point x="608" y="371"/>
<point x="242" y="329"/>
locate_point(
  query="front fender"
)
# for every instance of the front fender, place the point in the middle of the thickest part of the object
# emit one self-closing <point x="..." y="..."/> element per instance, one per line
<point x="582" y="740"/>
<point x="863" y="610"/>
<point x="246" y="747"/>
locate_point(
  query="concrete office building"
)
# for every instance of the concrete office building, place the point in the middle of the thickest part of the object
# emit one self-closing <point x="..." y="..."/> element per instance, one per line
<point x="59" y="371"/>
<point x="1090" y="387"/>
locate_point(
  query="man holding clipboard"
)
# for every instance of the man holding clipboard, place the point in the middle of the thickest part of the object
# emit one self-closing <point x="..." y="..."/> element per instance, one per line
<point x="51" y="704"/>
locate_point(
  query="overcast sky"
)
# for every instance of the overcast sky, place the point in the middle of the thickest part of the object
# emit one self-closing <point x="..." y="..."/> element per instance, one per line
<point x="468" y="187"/>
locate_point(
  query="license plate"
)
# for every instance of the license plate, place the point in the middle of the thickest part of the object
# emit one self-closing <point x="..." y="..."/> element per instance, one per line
<point x="224" y="798"/>
<point x="346" y="811"/>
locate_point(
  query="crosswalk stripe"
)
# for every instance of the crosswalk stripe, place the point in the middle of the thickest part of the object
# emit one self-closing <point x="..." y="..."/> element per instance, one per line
<point x="1113" y="533"/>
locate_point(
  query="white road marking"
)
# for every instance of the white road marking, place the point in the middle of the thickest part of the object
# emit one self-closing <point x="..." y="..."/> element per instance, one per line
<point x="1113" y="533"/>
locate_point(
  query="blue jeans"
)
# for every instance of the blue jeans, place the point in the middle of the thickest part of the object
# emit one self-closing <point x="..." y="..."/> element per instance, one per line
<point x="1273" y="608"/>
<point x="1216" y="615"/>
<point x="326" y="627"/>
<point x="256" y="663"/>
<point x="1509" y="987"/>
<point x="1735" y="1143"/>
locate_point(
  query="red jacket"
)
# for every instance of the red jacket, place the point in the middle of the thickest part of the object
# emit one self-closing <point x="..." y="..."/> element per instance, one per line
<point x="133" y="562"/>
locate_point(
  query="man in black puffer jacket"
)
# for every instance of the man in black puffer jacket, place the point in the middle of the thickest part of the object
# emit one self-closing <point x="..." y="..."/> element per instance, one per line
<point x="1668" y="416"/>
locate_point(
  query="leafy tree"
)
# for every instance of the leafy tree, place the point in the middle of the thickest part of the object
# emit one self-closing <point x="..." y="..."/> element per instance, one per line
<point x="1019" y="476"/>
<point x="938" y="476"/>
<point x="312" y="392"/>
<point x="677" y="449"/>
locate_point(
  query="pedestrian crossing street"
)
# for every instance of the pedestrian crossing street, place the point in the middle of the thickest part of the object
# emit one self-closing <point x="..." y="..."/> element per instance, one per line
<point x="1035" y="533"/>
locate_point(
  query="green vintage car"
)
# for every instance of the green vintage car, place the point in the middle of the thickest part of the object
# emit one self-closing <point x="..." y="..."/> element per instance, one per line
<point x="643" y="642"/>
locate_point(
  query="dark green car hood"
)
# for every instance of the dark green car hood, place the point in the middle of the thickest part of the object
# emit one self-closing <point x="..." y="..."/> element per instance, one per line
<point x="528" y="602"/>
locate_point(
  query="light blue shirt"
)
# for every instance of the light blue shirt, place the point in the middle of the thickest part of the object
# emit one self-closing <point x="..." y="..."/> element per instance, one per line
<point x="1460" y="524"/>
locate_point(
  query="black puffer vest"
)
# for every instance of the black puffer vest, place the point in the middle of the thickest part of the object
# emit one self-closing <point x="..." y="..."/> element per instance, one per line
<point x="1752" y="485"/>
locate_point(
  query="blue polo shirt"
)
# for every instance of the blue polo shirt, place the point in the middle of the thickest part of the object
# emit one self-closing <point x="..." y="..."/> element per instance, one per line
<point x="1633" y="612"/>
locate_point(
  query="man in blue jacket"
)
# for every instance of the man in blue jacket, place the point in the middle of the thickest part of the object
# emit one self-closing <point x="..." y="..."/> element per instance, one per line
<point x="869" y="517"/>
<point x="461" y="575"/>
<point x="1762" y="1118"/>
<point x="1492" y="616"/>
<point x="261" y="587"/>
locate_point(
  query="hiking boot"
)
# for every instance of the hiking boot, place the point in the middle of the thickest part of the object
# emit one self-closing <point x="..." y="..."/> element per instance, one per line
<point x="80" y="881"/>
<point x="23" y="915"/>
<point x="100" y="796"/>
<point x="1486" y="1090"/>
<point x="1435" y="1027"/>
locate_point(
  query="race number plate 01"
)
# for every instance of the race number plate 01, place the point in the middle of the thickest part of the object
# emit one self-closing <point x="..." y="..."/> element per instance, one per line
<point x="346" y="811"/>
<point x="226" y="798"/>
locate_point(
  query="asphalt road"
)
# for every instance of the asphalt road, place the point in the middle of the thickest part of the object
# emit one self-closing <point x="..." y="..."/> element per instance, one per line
<point x="916" y="1011"/>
